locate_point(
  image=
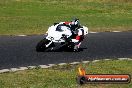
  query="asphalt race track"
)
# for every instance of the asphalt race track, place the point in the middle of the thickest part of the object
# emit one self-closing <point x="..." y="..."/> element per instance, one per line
<point x="16" y="51"/>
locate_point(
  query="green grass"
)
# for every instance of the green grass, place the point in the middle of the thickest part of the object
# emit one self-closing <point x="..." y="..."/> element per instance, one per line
<point x="64" y="76"/>
<point x="35" y="16"/>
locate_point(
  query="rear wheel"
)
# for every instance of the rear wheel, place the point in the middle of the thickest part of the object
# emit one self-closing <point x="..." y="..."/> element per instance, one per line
<point x="41" y="46"/>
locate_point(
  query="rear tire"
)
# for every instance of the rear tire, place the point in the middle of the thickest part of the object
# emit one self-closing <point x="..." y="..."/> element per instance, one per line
<point x="41" y="46"/>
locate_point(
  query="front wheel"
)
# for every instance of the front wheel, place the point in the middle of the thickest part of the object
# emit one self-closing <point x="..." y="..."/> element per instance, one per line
<point x="41" y="46"/>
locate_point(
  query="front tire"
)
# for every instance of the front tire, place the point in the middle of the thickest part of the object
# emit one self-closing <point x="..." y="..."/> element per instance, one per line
<point x="41" y="46"/>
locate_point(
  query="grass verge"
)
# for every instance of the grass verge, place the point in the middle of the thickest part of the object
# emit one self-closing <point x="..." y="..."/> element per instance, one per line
<point x="64" y="76"/>
<point x="35" y="16"/>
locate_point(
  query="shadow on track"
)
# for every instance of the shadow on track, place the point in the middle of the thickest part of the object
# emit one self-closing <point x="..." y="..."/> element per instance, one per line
<point x="64" y="49"/>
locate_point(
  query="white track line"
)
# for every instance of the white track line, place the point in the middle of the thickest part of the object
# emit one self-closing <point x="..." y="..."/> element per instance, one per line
<point x="62" y="64"/>
<point x="124" y="58"/>
<point x="73" y="63"/>
<point x="107" y="59"/>
<point x="18" y="69"/>
<point x="31" y="67"/>
<point x="22" y="35"/>
<point x="93" y="32"/>
<point x="116" y="31"/>
<point x="85" y="62"/>
<point x="44" y="66"/>
<point x="50" y="65"/>
<point x="4" y="70"/>
<point x="96" y="60"/>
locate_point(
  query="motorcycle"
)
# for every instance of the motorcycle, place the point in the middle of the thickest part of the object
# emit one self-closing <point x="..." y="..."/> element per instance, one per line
<point x="58" y="35"/>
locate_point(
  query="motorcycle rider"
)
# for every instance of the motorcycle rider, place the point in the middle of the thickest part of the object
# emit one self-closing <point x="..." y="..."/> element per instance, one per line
<point x="77" y="32"/>
<point x="73" y="25"/>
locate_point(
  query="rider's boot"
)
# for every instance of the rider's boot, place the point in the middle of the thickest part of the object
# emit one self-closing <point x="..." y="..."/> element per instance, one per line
<point x="76" y="47"/>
